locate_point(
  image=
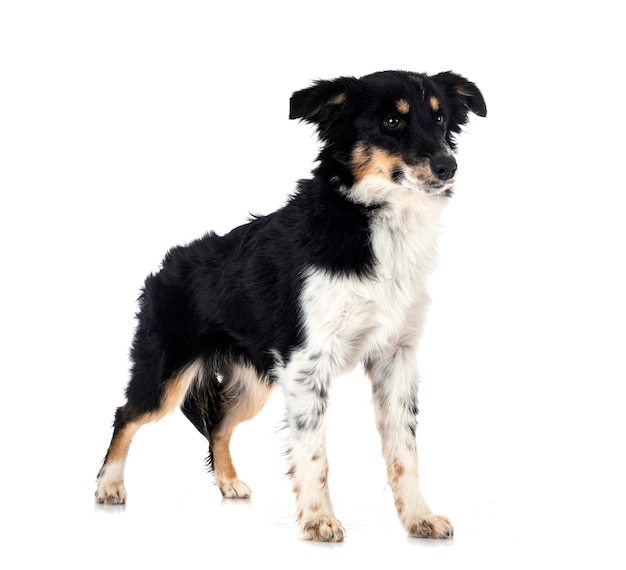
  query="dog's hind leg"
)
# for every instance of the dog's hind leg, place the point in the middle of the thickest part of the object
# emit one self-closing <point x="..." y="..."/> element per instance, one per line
<point x="129" y="418"/>
<point x="216" y="409"/>
<point x="244" y="395"/>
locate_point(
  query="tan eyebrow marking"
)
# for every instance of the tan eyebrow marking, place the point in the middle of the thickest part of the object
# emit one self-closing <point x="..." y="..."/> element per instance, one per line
<point x="403" y="106"/>
<point x="434" y="103"/>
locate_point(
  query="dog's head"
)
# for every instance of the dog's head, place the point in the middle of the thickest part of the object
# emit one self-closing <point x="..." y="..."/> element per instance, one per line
<point x="395" y="125"/>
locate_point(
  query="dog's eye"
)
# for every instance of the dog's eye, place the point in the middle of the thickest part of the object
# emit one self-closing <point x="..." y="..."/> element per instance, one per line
<point x="393" y="122"/>
<point x="440" y="119"/>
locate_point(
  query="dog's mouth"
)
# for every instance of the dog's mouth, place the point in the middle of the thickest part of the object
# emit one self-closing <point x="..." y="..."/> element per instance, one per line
<point x="421" y="178"/>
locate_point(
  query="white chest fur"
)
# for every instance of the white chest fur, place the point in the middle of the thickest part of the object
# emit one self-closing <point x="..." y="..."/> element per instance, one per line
<point x="347" y="319"/>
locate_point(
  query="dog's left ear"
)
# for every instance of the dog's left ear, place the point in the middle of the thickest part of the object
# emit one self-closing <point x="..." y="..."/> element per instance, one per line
<point x="323" y="102"/>
<point x="463" y="94"/>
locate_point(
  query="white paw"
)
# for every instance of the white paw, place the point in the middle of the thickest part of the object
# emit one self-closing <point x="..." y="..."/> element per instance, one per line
<point x="323" y="529"/>
<point x="111" y="492"/>
<point x="234" y="489"/>
<point x="431" y="526"/>
<point x="110" y="488"/>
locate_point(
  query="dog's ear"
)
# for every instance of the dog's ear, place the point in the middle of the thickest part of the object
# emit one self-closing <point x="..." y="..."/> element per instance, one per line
<point x="323" y="102"/>
<point x="463" y="95"/>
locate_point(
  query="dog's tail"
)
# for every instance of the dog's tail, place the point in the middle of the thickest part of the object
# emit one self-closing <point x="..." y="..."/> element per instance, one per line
<point x="204" y="406"/>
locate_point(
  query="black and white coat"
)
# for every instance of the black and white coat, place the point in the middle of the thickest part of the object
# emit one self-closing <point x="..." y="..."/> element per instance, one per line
<point x="336" y="277"/>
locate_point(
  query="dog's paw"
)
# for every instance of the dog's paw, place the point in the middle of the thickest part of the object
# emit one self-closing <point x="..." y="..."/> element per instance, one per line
<point x="234" y="489"/>
<point x="111" y="493"/>
<point x="323" y="529"/>
<point x="432" y="526"/>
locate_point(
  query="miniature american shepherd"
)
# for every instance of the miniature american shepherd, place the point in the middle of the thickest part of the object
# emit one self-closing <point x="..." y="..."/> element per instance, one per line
<point x="336" y="277"/>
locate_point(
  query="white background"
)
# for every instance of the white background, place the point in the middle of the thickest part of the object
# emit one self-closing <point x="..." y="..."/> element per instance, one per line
<point x="129" y="127"/>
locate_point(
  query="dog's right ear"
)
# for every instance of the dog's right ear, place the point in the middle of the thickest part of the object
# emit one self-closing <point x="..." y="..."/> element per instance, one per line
<point x="323" y="102"/>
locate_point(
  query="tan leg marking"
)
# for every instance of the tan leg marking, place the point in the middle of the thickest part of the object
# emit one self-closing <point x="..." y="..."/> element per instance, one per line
<point x="246" y="394"/>
<point x="110" y="487"/>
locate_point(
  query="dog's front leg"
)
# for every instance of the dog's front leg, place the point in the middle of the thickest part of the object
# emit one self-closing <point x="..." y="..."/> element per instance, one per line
<point x="394" y="379"/>
<point x="306" y="395"/>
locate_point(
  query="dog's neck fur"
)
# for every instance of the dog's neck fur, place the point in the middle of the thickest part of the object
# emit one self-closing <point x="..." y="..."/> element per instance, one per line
<point x="405" y="228"/>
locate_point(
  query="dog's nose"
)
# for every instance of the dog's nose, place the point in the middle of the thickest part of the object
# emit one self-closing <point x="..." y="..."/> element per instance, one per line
<point x="443" y="166"/>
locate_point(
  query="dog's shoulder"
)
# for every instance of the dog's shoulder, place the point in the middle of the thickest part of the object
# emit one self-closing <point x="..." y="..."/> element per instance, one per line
<point x="335" y="230"/>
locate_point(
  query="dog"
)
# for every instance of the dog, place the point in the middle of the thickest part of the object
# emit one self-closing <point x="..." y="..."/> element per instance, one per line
<point x="336" y="277"/>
